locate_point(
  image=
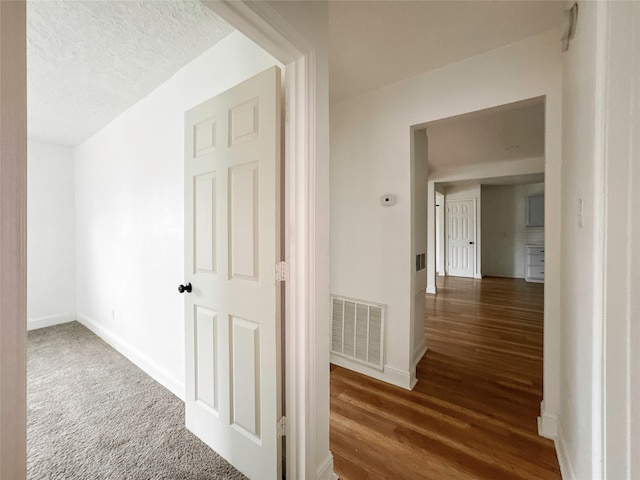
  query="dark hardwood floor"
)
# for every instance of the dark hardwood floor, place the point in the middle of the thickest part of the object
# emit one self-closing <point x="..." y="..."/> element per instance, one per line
<point x="473" y="413"/>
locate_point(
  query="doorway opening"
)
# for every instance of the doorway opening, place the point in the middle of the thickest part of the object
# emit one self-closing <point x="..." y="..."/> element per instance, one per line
<point x="483" y="323"/>
<point x="485" y="235"/>
<point x="485" y="195"/>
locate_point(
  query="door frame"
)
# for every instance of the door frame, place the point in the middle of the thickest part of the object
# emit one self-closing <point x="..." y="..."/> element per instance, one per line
<point x="13" y="240"/>
<point x="305" y="344"/>
<point x="474" y="273"/>
<point x="551" y="92"/>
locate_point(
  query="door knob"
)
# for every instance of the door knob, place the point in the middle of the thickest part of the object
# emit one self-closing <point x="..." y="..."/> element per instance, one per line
<point x="470" y="243"/>
<point x="185" y="288"/>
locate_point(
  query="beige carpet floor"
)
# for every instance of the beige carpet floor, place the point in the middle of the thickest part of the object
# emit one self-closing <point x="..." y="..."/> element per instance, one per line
<point x="92" y="414"/>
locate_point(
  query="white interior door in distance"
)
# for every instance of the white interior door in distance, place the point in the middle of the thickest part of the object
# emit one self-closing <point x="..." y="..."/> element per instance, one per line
<point x="232" y="244"/>
<point x="461" y="238"/>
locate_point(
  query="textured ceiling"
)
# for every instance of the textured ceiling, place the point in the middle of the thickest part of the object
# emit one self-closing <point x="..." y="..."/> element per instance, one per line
<point x="510" y="132"/>
<point x="88" y="61"/>
<point x="375" y="43"/>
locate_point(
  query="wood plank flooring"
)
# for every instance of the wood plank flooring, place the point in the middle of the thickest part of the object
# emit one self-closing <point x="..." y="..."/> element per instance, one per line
<point x="472" y="414"/>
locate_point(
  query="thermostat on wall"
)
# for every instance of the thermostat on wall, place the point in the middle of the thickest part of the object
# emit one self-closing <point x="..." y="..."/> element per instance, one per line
<point x="387" y="200"/>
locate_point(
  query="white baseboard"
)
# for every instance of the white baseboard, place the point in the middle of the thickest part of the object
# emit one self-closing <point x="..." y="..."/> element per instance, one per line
<point x="566" y="468"/>
<point x="406" y="380"/>
<point x="548" y="426"/>
<point x="325" y="469"/>
<point x="394" y="376"/>
<point x="477" y="276"/>
<point x="547" y="423"/>
<point x="158" y="373"/>
<point x="49" y="321"/>
<point x="431" y="289"/>
<point x="419" y="351"/>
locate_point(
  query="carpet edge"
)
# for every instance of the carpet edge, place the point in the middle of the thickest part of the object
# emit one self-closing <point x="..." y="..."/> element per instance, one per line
<point x="159" y="374"/>
<point x="50" y="320"/>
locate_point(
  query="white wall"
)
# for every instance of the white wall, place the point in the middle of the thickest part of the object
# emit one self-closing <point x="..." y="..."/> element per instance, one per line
<point x="51" y="286"/>
<point x="420" y="240"/>
<point x="578" y="283"/>
<point x="130" y="225"/>
<point x="503" y="228"/>
<point x="371" y="256"/>
<point x="621" y="222"/>
<point x="598" y="432"/>
<point x="480" y="171"/>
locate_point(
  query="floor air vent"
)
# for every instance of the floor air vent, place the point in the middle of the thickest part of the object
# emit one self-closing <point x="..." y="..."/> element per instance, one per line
<point x="358" y="330"/>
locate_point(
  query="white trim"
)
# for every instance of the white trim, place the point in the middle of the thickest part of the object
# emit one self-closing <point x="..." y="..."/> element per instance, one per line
<point x="547" y="423"/>
<point x="419" y="352"/>
<point x="599" y="253"/>
<point x="407" y="380"/>
<point x="49" y="321"/>
<point x="325" y="469"/>
<point x="305" y="344"/>
<point x="431" y="289"/>
<point x="477" y="241"/>
<point x="548" y="426"/>
<point x="13" y="240"/>
<point x="300" y="349"/>
<point x="400" y="378"/>
<point x="263" y="25"/>
<point x="618" y="234"/>
<point x="566" y="468"/>
<point x="138" y="358"/>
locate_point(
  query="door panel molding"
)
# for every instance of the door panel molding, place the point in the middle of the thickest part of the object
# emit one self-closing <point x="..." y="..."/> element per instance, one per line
<point x="233" y="398"/>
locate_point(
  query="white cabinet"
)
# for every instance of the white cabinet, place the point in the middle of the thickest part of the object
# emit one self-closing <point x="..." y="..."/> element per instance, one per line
<point x="534" y="213"/>
<point x="534" y="268"/>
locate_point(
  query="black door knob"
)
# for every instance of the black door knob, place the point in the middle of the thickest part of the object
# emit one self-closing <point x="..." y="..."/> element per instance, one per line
<point x="185" y="288"/>
<point x="470" y="243"/>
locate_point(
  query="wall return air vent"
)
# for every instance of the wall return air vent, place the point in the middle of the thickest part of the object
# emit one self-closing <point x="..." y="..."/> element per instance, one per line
<point x="357" y="331"/>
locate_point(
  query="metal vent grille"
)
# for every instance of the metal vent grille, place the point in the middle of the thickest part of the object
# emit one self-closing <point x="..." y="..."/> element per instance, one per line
<point x="357" y="330"/>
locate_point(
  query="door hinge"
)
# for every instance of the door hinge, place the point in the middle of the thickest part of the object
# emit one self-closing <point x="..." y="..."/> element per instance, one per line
<point x="281" y="427"/>
<point x="282" y="272"/>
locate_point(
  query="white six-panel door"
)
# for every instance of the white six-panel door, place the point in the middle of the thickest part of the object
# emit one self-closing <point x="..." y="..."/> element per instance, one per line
<point x="232" y="243"/>
<point x="461" y="237"/>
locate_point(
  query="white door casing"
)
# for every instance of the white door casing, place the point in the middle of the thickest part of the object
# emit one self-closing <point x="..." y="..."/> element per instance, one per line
<point x="232" y="244"/>
<point x="461" y="238"/>
<point x="297" y="38"/>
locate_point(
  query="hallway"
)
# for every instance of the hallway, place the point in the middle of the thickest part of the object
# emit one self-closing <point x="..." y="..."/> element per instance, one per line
<point x="473" y="413"/>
